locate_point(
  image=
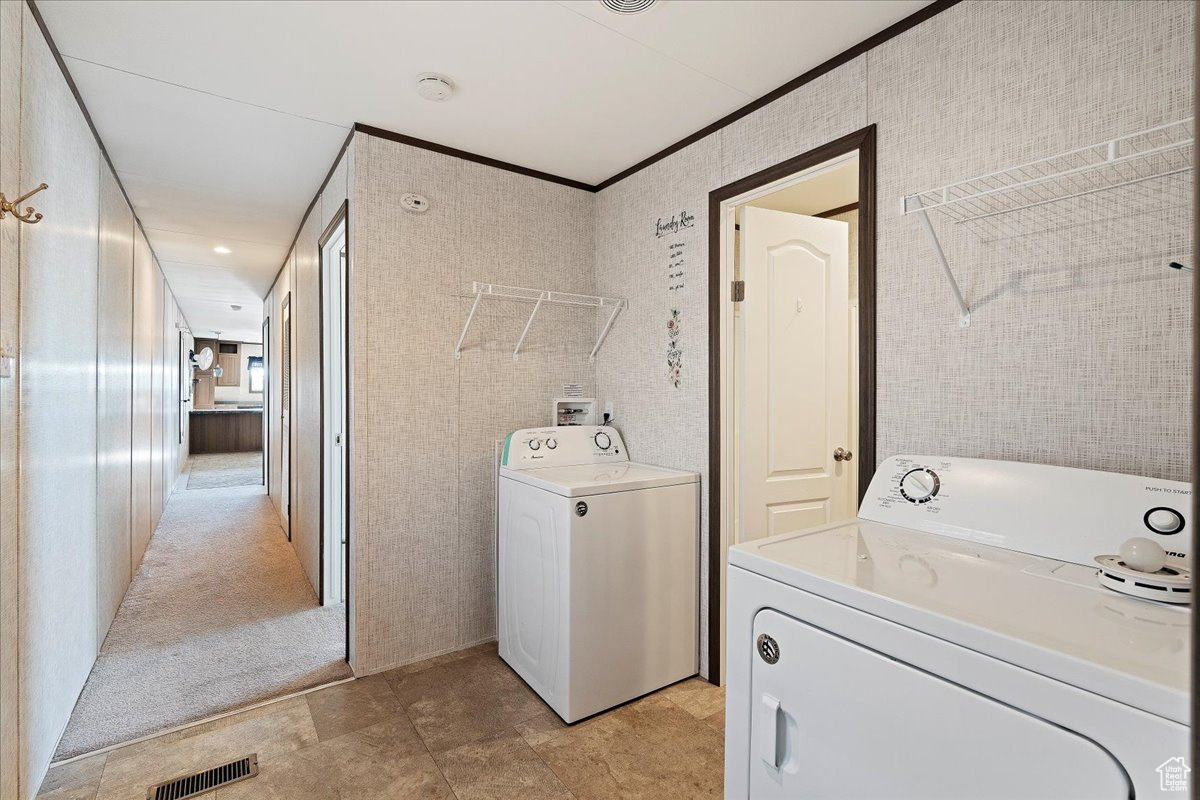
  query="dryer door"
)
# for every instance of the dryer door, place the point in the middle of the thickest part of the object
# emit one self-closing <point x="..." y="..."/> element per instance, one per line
<point x="833" y="719"/>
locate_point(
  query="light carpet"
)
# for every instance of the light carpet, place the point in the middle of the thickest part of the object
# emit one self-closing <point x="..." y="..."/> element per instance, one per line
<point x="219" y="616"/>
<point x="215" y="470"/>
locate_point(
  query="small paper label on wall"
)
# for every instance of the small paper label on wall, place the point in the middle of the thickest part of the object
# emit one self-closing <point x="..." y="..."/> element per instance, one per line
<point x="572" y="390"/>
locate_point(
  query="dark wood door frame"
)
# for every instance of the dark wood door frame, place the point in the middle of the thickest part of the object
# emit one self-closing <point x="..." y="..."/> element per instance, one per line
<point x="862" y="141"/>
<point x="340" y="219"/>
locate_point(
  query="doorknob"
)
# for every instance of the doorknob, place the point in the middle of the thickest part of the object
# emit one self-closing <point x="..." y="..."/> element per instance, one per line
<point x="842" y="455"/>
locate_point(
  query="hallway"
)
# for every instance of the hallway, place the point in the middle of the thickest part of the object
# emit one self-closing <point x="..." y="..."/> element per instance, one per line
<point x="219" y="616"/>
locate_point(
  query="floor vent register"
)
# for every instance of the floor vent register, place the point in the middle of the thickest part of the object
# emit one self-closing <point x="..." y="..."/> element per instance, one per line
<point x="198" y="783"/>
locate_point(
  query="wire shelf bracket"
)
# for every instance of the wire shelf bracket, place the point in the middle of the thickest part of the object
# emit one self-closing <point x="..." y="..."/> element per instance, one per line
<point x="540" y="297"/>
<point x="1158" y="152"/>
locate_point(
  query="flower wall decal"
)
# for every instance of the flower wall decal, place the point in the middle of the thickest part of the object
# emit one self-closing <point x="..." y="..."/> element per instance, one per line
<point x="674" y="354"/>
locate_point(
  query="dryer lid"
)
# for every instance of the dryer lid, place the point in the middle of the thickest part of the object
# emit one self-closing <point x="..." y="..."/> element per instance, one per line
<point x="1046" y="615"/>
<point x="582" y="480"/>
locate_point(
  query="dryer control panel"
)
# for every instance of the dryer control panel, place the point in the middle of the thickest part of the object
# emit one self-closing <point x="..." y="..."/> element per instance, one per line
<point x="534" y="448"/>
<point x="1056" y="512"/>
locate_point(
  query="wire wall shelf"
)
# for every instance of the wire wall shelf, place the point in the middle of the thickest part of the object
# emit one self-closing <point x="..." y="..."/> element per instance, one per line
<point x="1150" y="154"/>
<point x="539" y="298"/>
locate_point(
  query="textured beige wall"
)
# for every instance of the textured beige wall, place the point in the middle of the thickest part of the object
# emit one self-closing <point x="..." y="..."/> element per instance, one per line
<point x="1080" y="350"/>
<point x="114" y="395"/>
<point x="424" y="424"/>
<point x="1053" y="370"/>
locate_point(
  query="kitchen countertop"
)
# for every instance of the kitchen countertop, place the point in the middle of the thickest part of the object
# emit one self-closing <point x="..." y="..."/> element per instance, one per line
<point x="230" y="410"/>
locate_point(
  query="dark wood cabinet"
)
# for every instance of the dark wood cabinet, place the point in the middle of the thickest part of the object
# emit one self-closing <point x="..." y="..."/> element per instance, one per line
<point x="226" y="431"/>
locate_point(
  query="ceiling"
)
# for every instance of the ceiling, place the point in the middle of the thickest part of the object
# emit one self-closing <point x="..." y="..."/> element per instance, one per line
<point x="825" y="189"/>
<point x="222" y="117"/>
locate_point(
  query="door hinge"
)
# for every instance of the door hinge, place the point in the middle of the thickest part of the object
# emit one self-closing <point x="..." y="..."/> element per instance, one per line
<point x="737" y="291"/>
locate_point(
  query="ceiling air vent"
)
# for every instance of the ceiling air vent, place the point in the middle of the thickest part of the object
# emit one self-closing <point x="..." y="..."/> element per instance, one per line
<point x="627" y="6"/>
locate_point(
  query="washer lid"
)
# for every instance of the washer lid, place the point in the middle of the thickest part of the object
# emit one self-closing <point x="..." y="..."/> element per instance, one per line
<point x="1048" y="616"/>
<point x="588" y="479"/>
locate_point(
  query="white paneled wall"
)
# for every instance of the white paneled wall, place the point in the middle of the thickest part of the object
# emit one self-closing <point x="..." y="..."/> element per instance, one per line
<point x="10" y="572"/>
<point x="95" y="401"/>
<point x="144" y="277"/>
<point x="299" y="283"/>
<point x="114" y="396"/>
<point x="58" y="264"/>
<point x="306" y="401"/>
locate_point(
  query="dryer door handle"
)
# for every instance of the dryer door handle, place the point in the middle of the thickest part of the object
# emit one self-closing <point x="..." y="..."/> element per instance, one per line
<point x="767" y="721"/>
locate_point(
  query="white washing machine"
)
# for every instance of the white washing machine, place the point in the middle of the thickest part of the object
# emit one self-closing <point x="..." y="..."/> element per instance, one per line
<point x="955" y="642"/>
<point x="597" y="572"/>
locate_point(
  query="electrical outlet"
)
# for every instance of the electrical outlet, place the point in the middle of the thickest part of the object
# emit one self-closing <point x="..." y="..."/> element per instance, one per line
<point x="608" y="409"/>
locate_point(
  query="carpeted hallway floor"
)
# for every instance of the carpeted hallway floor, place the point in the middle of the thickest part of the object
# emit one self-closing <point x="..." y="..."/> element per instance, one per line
<point x="219" y="616"/>
<point x="217" y="470"/>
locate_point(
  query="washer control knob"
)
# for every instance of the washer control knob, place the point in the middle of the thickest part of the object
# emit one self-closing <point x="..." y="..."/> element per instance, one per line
<point x="1164" y="520"/>
<point x="535" y="444"/>
<point x="603" y="440"/>
<point x="551" y="443"/>
<point x="920" y="485"/>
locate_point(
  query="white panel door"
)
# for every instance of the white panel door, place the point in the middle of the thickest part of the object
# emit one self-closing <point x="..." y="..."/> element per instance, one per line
<point x="793" y="364"/>
<point x="833" y="719"/>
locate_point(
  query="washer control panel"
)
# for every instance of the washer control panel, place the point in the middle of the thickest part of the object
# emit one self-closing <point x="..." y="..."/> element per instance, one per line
<point x="1057" y="512"/>
<point x="533" y="448"/>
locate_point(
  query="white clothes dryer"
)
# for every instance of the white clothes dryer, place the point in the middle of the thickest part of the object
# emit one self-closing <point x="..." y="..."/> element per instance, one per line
<point x="955" y="642"/>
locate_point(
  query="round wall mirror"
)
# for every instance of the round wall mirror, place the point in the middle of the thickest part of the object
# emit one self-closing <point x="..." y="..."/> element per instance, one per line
<point x="204" y="358"/>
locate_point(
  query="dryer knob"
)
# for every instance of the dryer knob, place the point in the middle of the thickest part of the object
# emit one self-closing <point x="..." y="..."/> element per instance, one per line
<point x="551" y="444"/>
<point x="919" y="485"/>
<point x="534" y="444"/>
<point x="603" y="440"/>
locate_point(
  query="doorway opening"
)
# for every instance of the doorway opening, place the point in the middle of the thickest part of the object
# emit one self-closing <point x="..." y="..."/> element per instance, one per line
<point x="224" y="381"/>
<point x="335" y="390"/>
<point x="792" y="329"/>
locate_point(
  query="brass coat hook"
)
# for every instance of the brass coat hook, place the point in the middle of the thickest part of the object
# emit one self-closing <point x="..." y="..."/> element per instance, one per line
<point x="14" y="207"/>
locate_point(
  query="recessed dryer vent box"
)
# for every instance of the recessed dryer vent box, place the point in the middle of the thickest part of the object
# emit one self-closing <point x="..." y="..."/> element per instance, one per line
<point x="574" y="411"/>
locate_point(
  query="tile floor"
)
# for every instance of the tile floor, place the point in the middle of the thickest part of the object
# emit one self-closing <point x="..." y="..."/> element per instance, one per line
<point x="458" y="726"/>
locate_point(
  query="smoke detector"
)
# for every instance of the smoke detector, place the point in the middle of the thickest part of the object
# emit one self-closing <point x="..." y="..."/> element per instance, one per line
<point x="628" y="6"/>
<point x="435" y="87"/>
